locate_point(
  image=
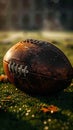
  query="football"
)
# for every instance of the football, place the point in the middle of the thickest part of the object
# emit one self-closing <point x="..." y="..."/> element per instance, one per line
<point x="37" y="67"/>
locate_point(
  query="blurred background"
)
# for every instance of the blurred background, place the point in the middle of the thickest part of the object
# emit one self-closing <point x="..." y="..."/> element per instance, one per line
<point x="36" y="15"/>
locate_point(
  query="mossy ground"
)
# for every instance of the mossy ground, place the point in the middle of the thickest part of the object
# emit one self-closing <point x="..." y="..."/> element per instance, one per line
<point x="20" y="111"/>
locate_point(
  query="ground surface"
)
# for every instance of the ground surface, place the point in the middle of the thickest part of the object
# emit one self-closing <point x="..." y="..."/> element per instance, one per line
<point x="19" y="111"/>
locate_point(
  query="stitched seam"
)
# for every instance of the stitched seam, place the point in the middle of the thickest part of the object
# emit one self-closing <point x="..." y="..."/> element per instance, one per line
<point x="33" y="41"/>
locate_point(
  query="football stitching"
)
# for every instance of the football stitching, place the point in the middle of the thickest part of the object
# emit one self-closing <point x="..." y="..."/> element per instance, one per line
<point x="17" y="69"/>
<point x="33" y="41"/>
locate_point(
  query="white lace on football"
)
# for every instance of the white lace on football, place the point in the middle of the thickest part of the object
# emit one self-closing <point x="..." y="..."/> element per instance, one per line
<point x="17" y="69"/>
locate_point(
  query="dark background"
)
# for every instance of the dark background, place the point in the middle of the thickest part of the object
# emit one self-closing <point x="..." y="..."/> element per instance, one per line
<point x="36" y="15"/>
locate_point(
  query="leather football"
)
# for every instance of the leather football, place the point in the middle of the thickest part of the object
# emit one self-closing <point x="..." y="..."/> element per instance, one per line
<point x="37" y="67"/>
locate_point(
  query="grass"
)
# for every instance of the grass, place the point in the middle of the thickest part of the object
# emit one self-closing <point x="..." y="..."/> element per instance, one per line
<point x="19" y="111"/>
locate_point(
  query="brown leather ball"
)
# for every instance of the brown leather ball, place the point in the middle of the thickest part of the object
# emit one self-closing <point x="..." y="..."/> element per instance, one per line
<point x="37" y="67"/>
